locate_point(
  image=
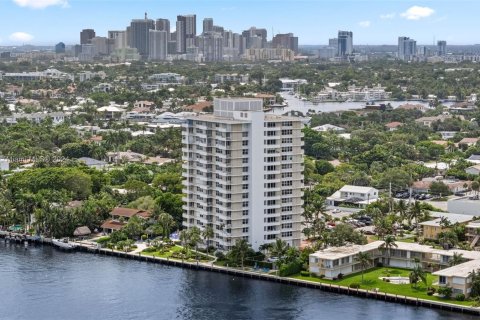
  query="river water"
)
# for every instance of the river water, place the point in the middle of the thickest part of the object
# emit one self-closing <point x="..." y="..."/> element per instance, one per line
<point x="43" y="283"/>
<point x="295" y="104"/>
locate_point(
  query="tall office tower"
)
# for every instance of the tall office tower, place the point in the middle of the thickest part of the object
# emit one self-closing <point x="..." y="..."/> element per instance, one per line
<point x="333" y="42"/>
<point x="441" y="47"/>
<point x="158" y="45"/>
<point x="186" y="32"/>
<point x="218" y="29"/>
<point x="228" y="39"/>
<point x="243" y="173"/>
<point x="252" y="33"/>
<point x="345" y="43"/>
<point x="163" y="25"/>
<point x="60" y="47"/>
<point x="119" y="39"/>
<point x="285" y="41"/>
<point x="86" y="35"/>
<point x="139" y="34"/>
<point x="407" y="48"/>
<point x="207" y="25"/>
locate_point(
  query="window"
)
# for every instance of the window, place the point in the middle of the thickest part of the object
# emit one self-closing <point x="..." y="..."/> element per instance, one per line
<point x="245" y="169"/>
<point x="245" y="151"/>
<point x="245" y="204"/>
<point x="245" y="230"/>
<point x="287" y="149"/>
<point x="287" y="209"/>
<point x="287" y="183"/>
<point x="245" y="195"/>
<point x="270" y="220"/>
<point x="289" y="234"/>
<point x="287" y="140"/>
<point x="286" y="175"/>
<point x="244" y="160"/>
<point x="287" y="217"/>
<point x="245" y="212"/>
<point x="245" y="134"/>
<point x="287" y="132"/>
<point x="270" y="202"/>
<point x="245" y="178"/>
<point x="286" y="166"/>
<point x="245" y="143"/>
<point x="244" y="221"/>
<point x="442" y="280"/>
<point x="287" y="192"/>
<point x="287" y="226"/>
<point x="245" y="186"/>
<point x="287" y="200"/>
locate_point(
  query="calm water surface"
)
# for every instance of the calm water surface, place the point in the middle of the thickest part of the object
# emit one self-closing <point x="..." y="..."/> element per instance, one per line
<point x="43" y="283"/>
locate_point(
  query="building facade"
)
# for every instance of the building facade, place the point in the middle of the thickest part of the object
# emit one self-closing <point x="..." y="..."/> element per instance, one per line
<point x="243" y="174"/>
<point x="407" y="48"/>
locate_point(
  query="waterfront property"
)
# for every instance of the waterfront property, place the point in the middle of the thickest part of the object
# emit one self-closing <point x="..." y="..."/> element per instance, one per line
<point x="243" y="173"/>
<point x="335" y="262"/>
<point x="432" y="228"/>
<point x="458" y="277"/>
<point x="120" y="217"/>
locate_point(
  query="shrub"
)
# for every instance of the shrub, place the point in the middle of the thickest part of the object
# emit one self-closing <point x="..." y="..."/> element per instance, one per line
<point x="431" y="291"/>
<point x="150" y="249"/>
<point x="289" y="269"/>
<point x="354" y="285"/>
<point x="386" y="280"/>
<point x="304" y="273"/>
<point x="445" y="292"/>
<point x="340" y="276"/>
<point x="321" y="276"/>
<point x="144" y="237"/>
<point x="379" y="265"/>
<point x="460" y="297"/>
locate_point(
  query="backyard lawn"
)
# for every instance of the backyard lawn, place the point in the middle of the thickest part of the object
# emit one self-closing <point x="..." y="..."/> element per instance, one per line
<point x="174" y="252"/>
<point x="372" y="281"/>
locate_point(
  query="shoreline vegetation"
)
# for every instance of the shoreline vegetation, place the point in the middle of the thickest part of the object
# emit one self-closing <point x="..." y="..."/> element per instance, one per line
<point x="372" y="287"/>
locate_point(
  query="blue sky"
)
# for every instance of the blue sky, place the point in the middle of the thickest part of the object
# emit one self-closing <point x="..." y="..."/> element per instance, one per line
<point x="46" y="22"/>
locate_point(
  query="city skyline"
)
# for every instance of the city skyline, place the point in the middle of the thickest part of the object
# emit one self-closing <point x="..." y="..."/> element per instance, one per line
<point x="371" y="21"/>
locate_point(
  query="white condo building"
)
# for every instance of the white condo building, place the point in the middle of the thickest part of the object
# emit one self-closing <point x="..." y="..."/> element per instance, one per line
<point x="243" y="173"/>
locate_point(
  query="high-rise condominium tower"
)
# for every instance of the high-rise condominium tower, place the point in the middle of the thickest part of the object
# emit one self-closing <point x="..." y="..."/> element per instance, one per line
<point x="345" y="43"/>
<point x="243" y="173"/>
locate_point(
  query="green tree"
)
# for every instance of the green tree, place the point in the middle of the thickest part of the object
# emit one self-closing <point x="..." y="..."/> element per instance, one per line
<point x="363" y="258"/>
<point x="208" y="234"/>
<point x="387" y="245"/>
<point x="240" y="250"/>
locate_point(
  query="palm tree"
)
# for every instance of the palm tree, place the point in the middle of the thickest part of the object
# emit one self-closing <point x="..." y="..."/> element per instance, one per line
<point x="417" y="274"/>
<point x="240" y="250"/>
<point x="208" y="234"/>
<point x="279" y="249"/>
<point x="387" y="245"/>
<point x="195" y="238"/>
<point x="456" y="259"/>
<point x="167" y="222"/>
<point x="444" y="223"/>
<point x="184" y="237"/>
<point x="448" y="239"/>
<point x="363" y="258"/>
<point x="416" y="211"/>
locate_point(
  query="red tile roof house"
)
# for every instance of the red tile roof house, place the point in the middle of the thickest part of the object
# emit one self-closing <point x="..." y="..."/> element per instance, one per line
<point x="120" y="217"/>
<point x="392" y="126"/>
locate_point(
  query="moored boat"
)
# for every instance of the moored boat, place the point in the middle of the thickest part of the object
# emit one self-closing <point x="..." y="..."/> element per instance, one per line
<point x="63" y="244"/>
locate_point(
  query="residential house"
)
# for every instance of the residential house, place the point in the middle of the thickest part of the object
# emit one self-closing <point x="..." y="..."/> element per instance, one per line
<point x="110" y="112"/>
<point x="473" y="170"/>
<point x="392" y="126"/>
<point x="431" y="229"/>
<point x="446" y="135"/>
<point x="333" y="261"/>
<point x="428" y="121"/>
<point x="353" y="195"/>
<point x="93" y="163"/>
<point x="120" y="216"/>
<point x="328" y="127"/>
<point x="467" y="142"/>
<point x="474" y="158"/>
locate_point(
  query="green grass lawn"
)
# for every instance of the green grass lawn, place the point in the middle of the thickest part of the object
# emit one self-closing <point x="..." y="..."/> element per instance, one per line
<point x="372" y="281"/>
<point x="169" y="252"/>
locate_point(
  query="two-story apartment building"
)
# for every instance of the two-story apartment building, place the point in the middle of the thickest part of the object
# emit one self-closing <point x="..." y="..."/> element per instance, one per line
<point x="354" y="195"/>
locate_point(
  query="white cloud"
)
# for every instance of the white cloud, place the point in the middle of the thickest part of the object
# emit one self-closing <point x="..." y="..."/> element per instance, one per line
<point x="364" y="24"/>
<point x="387" y="16"/>
<point x="20" y="37"/>
<point x="417" y="13"/>
<point x="41" y="4"/>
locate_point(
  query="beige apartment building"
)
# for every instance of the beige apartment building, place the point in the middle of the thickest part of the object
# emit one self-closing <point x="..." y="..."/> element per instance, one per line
<point x="243" y="174"/>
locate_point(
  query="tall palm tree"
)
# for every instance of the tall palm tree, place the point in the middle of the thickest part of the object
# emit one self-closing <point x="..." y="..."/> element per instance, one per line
<point x="167" y="222"/>
<point x="195" y="238"/>
<point x="456" y="259"/>
<point x="240" y="250"/>
<point x="415" y="212"/>
<point x="363" y="258"/>
<point x="279" y="249"/>
<point x="184" y="237"/>
<point x="387" y="245"/>
<point x="208" y="234"/>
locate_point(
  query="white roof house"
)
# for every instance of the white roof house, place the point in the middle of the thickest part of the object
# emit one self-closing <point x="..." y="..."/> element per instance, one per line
<point x="358" y="195"/>
<point x="328" y="127"/>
